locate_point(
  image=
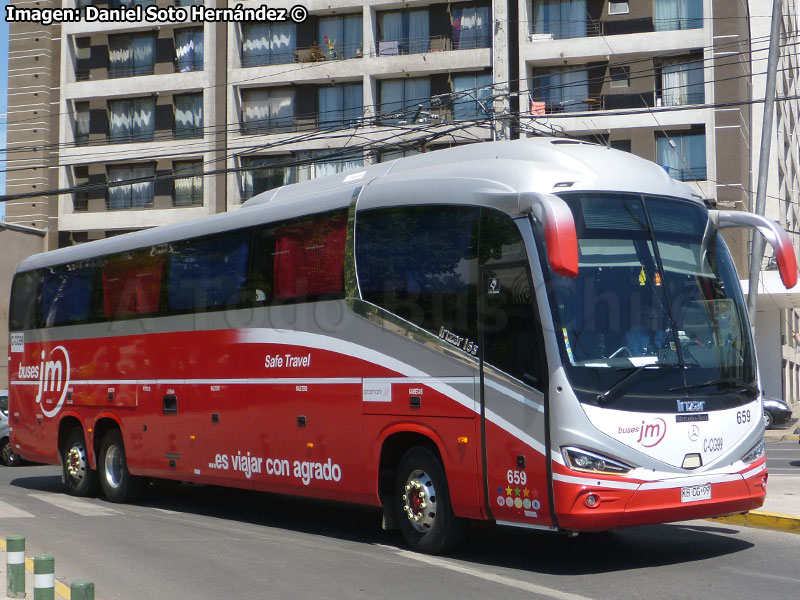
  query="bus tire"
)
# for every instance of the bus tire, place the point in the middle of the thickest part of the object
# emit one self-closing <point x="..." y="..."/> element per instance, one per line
<point x="79" y="477"/>
<point x="117" y="483"/>
<point x="422" y="503"/>
<point x="8" y="457"/>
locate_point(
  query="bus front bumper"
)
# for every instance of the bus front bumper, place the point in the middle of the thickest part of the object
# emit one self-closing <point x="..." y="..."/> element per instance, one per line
<point x="591" y="504"/>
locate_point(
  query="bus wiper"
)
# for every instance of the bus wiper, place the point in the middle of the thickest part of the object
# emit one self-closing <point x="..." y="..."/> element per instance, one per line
<point x="614" y="390"/>
<point x="728" y="381"/>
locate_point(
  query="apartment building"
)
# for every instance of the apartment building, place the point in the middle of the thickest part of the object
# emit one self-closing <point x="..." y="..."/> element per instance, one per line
<point x="154" y="123"/>
<point x="33" y="115"/>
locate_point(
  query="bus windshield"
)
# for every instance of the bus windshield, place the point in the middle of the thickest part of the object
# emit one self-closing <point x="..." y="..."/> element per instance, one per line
<point x="656" y="289"/>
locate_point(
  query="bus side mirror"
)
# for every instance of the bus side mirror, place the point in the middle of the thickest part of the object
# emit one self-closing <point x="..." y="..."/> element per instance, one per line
<point x="559" y="230"/>
<point x="772" y="232"/>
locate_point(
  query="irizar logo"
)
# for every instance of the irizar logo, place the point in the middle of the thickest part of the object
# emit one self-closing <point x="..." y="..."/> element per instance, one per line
<point x="53" y="375"/>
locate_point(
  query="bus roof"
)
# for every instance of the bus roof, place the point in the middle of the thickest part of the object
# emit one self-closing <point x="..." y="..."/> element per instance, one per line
<point x="467" y="173"/>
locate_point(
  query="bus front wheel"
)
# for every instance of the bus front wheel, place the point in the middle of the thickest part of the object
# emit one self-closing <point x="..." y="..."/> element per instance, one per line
<point x="422" y="503"/>
<point x="116" y="481"/>
<point x="80" y="479"/>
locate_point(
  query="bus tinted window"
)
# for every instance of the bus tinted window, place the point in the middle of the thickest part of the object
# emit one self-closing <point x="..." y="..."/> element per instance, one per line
<point x="208" y="273"/>
<point x="24" y="301"/>
<point x="300" y="260"/>
<point x="132" y="284"/>
<point x="67" y="294"/>
<point x="420" y="263"/>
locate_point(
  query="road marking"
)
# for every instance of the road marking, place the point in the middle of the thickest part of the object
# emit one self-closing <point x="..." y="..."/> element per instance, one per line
<point x="79" y="507"/>
<point x="11" y="512"/>
<point x="769" y="576"/>
<point x="508" y="581"/>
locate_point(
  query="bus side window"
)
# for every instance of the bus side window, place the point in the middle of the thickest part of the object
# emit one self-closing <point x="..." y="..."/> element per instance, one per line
<point x="24" y="301"/>
<point x="511" y="331"/>
<point x="420" y="263"/>
<point x="131" y="284"/>
<point x="300" y="260"/>
<point x="67" y="294"/>
<point x="208" y="273"/>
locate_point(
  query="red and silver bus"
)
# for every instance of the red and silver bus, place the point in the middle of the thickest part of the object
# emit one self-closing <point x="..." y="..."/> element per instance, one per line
<point x="542" y="333"/>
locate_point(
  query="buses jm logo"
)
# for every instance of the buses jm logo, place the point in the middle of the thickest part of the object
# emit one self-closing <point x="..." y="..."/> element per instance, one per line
<point x="651" y="434"/>
<point x="53" y="381"/>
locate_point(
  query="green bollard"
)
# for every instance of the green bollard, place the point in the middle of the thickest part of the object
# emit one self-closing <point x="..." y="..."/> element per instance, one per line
<point x="44" y="577"/>
<point x="81" y="590"/>
<point x="15" y="562"/>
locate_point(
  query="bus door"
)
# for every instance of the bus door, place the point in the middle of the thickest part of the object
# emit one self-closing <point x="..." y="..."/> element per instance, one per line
<point x="514" y="375"/>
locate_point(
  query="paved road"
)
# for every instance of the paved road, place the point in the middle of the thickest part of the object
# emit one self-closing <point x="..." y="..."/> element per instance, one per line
<point x="197" y="543"/>
<point x="783" y="458"/>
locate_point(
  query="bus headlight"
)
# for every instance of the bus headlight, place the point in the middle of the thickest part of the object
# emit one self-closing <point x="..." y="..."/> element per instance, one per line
<point x="755" y="453"/>
<point x="590" y="462"/>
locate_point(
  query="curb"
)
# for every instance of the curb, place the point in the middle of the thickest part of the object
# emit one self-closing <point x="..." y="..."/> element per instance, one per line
<point x="62" y="590"/>
<point x="763" y="520"/>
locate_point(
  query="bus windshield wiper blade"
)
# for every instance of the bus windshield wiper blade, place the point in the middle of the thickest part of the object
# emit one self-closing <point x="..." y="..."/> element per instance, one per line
<point x="728" y="381"/>
<point x="614" y="390"/>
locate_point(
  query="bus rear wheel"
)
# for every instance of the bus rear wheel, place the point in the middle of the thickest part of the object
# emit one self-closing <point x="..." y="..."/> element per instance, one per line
<point x="116" y="481"/>
<point x="80" y="479"/>
<point x="422" y="503"/>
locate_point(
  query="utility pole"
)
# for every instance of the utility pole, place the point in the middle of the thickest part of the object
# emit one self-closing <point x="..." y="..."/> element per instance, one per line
<point x="756" y="240"/>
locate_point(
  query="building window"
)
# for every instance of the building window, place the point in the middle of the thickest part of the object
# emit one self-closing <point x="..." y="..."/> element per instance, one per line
<point x="473" y="96"/>
<point x="681" y="82"/>
<point x="268" y="44"/>
<point x="340" y="37"/>
<point x="561" y="90"/>
<point x="130" y="187"/>
<point x="624" y="145"/>
<point x="131" y="55"/>
<point x="189" y="115"/>
<point x="268" y="110"/>
<point x="83" y="54"/>
<point x="620" y="77"/>
<point x="262" y="173"/>
<point x="315" y="164"/>
<point x="405" y="101"/>
<point x="340" y="106"/>
<point x="132" y="120"/>
<point x="189" y="50"/>
<point x="683" y="155"/>
<point x="560" y="18"/>
<point x="81" y="123"/>
<point x="471" y="26"/>
<point x="618" y="8"/>
<point x="678" y="14"/>
<point x="130" y="3"/>
<point x="188" y="183"/>
<point x="404" y="32"/>
<point x="395" y="154"/>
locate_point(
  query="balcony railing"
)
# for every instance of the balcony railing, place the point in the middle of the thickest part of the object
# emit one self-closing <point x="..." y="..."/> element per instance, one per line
<point x="599" y="102"/>
<point x="116" y="72"/>
<point x="438" y="43"/>
<point x="558" y="30"/>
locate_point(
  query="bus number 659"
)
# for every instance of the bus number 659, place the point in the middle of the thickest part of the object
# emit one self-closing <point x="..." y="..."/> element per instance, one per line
<point x="517" y="477"/>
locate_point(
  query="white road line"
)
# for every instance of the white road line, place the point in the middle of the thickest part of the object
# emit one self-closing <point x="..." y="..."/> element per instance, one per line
<point x="12" y="512"/>
<point x="75" y="505"/>
<point x="507" y="581"/>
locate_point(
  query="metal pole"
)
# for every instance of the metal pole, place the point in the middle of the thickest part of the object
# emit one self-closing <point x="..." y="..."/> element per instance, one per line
<point x="756" y="240"/>
<point x="15" y="564"/>
<point x="44" y="577"/>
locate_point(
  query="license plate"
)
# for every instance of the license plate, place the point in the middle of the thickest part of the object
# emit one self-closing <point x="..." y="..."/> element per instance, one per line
<point x="695" y="493"/>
